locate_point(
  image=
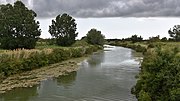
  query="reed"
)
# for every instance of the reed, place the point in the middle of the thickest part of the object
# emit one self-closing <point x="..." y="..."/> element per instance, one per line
<point x="16" y="61"/>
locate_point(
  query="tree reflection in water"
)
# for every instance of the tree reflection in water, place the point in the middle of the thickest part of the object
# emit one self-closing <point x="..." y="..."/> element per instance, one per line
<point x="96" y="60"/>
<point x="67" y="80"/>
<point x="19" y="94"/>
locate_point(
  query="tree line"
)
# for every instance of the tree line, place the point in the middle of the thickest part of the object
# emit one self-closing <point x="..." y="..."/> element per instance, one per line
<point x="174" y="34"/>
<point x="19" y="28"/>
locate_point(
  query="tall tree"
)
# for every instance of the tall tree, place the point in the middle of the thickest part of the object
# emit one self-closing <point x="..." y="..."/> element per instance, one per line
<point x="18" y="27"/>
<point x="175" y="32"/>
<point x="64" y="30"/>
<point x="95" y="37"/>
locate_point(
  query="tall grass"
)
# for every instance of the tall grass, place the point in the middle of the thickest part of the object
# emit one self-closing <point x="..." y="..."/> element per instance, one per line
<point x="16" y="61"/>
<point x="20" y="54"/>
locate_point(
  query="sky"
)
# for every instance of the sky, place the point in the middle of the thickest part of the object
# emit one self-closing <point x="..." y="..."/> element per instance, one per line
<point x="114" y="18"/>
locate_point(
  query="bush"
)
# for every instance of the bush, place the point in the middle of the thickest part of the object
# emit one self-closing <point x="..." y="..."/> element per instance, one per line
<point x="143" y="96"/>
<point x="139" y="48"/>
<point x="159" y="76"/>
<point x="77" y="52"/>
<point x="13" y="62"/>
<point x="151" y="45"/>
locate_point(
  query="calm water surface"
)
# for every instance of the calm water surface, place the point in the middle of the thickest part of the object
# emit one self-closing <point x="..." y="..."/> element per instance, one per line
<point x="105" y="76"/>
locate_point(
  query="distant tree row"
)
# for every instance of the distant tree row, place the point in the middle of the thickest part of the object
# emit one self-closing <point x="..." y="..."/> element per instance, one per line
<point x="133" y="38"/>
<point x="19" y="29"/>
<point x="174" y="34"/>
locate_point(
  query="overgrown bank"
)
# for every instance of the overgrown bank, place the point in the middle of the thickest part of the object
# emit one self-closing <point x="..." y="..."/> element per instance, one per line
<point x="13" y="62"/>
<point x="159" y="78"/>
<point x="34" y="77"/>
<point x="135" y="46"/>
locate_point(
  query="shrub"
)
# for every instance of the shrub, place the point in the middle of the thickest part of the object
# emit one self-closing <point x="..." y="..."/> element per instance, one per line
<point x="159" y="76"/>
<point x="12" y="62"/>
<point x="139" y="48"/>
<point x="77" y="52"/>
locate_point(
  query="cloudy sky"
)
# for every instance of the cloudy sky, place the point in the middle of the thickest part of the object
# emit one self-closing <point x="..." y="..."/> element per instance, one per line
<point x="115" y="18"/>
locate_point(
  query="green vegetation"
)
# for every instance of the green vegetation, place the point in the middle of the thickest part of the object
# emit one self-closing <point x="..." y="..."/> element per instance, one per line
<point x="135" y="38"/>
<point x="139" y="47"/>
<point x="12" y="62"/>
<point x="18" y="27"/>
<point x="95" y="37"/>
<point x="159" y="78"/>
<point x="175" y="33"/>
<point x="20" y="31"/>
<point x="64" y="30"/>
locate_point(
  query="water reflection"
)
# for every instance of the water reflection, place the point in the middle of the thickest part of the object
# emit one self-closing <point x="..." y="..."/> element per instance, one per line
<point x="111" y="79"/>
<point x="20" y="94"/>
<point x="96" y="59"/>
<point x="67" y="80"/>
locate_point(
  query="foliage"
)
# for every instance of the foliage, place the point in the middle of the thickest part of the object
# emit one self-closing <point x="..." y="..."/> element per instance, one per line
<point x="154" y="39"/>
<point x="175" y="32"/>
<point x="160" y="75"/>
<point x="135" y="38"/>
<point x="135" y="46"/>
<point x="18" y="27"/>
<point x="164" y="39"/>
<point x="95" y="37"/>
<point x="80" y="43"/>
<point x="43" y="42"/>
<point x="16" y="61"/>
<point x="143" y="96"/>
<point x="64" y="30"/>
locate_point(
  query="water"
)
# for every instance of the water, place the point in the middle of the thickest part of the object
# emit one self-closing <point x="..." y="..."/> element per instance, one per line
<point x="105" y="76"/>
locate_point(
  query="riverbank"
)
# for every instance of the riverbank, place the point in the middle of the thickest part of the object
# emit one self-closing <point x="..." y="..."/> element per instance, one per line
<point x="138" y="47"/>
<point x="26" y="68"/>
<point x="34" y="77"/>
<point x="158" y="79"/>
<point x="103" y="76"/>
<point x="18" y="61"/>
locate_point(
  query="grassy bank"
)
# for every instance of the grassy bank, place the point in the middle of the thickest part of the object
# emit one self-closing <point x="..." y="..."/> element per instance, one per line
<point x="35" y="76"/>
<point x="159" y="78"/>
<point x="17" y="61"/>
<point x="139" y="47"/>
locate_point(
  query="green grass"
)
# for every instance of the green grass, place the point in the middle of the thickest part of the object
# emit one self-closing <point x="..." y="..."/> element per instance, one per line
<point x="48" y="46"/>
<point x="78" y="43"/>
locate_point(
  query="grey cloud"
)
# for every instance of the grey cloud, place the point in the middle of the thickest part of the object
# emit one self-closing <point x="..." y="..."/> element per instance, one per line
<point x="105" y="8"/>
